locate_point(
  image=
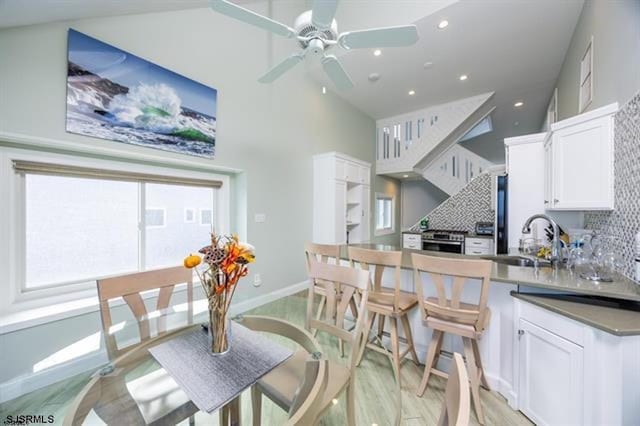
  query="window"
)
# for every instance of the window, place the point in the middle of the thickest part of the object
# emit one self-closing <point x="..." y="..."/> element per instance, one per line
<point x="71" y="225"/>
<point x="586" y="78"/>
<point x="385" y="214"/>
<point x="155" y="217"/>
<point x="189" y="215"/>
<point x="206" y="217"/>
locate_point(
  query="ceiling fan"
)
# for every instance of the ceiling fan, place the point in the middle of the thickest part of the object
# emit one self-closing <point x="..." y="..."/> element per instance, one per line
<point x="317" y="32"/>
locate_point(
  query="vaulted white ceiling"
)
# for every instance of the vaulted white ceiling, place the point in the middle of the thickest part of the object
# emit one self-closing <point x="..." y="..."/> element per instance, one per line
<point x="514" y="48"/>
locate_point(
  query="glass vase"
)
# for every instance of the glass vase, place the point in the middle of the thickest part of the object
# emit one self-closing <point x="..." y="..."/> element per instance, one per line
<point x="219" y="330"/>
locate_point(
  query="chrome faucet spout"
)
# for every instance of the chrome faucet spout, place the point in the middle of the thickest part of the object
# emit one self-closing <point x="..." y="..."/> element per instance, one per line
<point x="556" y="244"/>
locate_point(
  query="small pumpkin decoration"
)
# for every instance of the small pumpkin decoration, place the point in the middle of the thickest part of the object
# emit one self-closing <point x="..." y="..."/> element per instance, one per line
<point x="192" y="261"/>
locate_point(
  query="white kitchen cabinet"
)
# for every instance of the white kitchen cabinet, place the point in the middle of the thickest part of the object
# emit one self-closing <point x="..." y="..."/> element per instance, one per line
<point x="341" y="200"/>
<point x="548" y="173"/>
<point x="478" y="246"/>
<point x="551" y="377"/>
<point x="580" y="162"/>
<point x="412" y="241"/>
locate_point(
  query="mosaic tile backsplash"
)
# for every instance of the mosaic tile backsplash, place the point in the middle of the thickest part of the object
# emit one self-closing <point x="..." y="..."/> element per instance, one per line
<point x="461" y="211"/>
<point x="624" y="222"/>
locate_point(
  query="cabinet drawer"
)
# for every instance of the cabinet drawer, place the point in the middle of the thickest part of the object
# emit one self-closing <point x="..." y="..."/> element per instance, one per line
<point x="480" y="251"/>
<point x="412" y="241"/>
<point x="479" y="243"/>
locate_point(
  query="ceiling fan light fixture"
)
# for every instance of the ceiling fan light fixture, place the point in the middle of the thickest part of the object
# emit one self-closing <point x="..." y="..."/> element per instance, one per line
<point x="443" y="24"/>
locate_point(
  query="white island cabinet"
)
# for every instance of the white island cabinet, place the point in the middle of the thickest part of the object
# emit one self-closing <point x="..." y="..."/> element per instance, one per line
<point x="569" y="373"/>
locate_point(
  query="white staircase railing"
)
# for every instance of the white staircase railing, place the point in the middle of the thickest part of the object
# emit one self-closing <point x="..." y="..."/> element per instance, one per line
<point x="407" y="141"/>
<point x="454" y="169"/>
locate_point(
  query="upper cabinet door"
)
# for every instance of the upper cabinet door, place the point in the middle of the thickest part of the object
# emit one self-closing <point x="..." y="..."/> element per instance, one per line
<point x="341" y="169"/>
<point x="548" y="175"/>
<point x="353" y="172"/>
<point x="582" y="166"/>
<point x="364" y="175"/>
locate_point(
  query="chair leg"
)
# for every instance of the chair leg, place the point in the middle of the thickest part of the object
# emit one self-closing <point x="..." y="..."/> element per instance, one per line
<point x="365" y="335"/>
<point x="340" y="323"/>
<point x="473" y="378"/>
<point x="381" y="319"/>
<point x="432" y="357"/>
<point x="476" y="353"/>
<point x="351" y="403"/>
<point x="395" y="348"/>
<point x="323" y="302"/>
<point x="409" y="336"/>
<point x="256" y="405"/>
<point x="438" y="349"/>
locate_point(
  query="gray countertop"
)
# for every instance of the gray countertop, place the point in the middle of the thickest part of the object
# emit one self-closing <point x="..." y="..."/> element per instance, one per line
<point x="616" y="321"/>
<point x="549" y="278"/>
<point x="619" y="322"/>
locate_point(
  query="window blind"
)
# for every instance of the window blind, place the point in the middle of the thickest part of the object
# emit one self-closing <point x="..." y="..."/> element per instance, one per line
<point x="88" y="172"/>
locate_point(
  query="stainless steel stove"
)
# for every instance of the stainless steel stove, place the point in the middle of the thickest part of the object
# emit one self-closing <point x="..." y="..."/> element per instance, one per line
<point x="449" y="241"/>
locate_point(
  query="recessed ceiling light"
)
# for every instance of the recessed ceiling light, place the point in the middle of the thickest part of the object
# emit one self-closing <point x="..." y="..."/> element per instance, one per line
<point x="463" y="77"/>
<point x="334" y="401"/>
<point x="373" y="77"/>
<point x="518" y="104"/>
<point x="443" y="24"/>
<point x="516" y="123"/>
<point x="377" y="52"/>
<point x="412" y="92"/>
<point x="427" y="65"/>
<point x="405" y="176"/>
<point x="324" y="90"/>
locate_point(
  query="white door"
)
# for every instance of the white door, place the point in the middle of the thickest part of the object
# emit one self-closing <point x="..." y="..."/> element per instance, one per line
<point x="583" y="166"/>
<point x="551" y="376"/>
<point x="341" y="212"/>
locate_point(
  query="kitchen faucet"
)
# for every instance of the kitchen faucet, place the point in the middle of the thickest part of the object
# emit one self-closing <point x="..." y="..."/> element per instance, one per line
<point x="556" y="244"/>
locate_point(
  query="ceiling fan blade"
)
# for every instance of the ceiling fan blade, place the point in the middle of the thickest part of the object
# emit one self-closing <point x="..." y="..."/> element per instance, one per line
<point x="336" y="73"/>
<point x="241" y="14"/>
<point x="405" y="35"/>
<point x="274" y="73"/>
<point x="323" y="12"/>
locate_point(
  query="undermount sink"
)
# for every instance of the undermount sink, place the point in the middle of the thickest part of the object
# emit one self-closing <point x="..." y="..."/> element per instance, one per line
<point x="516" y="261"/>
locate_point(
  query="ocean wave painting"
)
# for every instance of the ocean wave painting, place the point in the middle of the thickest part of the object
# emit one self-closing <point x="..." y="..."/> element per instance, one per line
<point x="112" y="94"/>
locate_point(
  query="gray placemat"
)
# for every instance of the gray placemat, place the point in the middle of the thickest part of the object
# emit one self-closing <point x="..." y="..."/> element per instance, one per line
<point x="212" y="381"/>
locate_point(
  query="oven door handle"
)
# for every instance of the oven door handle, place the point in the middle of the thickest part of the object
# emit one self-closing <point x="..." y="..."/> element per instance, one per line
<point x="457" y="243"/>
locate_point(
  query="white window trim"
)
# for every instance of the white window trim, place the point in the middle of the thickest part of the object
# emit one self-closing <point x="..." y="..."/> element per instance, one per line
<point x="212" y="216"/>
<point x="582" y="103"/>
<point x="384" y="231"/>
<point x="164" y="217"/>
<point x="193" y="215"/>
<point x="14" y="299"/>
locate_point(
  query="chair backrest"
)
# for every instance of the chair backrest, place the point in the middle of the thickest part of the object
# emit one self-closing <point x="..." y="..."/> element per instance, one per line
<point x="461" y="270"/>
<point x="375" y="261"/>
<point x="322" y="253"/>
<point x="456" y="406"/>
<point x="350" y="280"/>
<point x="310" y="391"/>
<point x="129" y="288"/>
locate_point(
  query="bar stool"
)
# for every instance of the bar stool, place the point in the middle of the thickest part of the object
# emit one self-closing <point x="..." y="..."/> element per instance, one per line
<point x="450" y="315"/>
<point x="329" y="253"/>
<point x="388" y="303"/>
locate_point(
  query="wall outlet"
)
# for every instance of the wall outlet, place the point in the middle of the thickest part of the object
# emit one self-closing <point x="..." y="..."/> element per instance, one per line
<point x="260" y="217"/>
<point x="257" y="280"/>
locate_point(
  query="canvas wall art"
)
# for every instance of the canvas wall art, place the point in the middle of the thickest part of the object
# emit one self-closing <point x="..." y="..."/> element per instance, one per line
<point x="112" y="94"/>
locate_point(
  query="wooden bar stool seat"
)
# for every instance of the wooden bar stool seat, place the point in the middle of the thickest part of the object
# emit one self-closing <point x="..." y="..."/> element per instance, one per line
<point x="386" y="303"/>
<point x="448" y="314"/>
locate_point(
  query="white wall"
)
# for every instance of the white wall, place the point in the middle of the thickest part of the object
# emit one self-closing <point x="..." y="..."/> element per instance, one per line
<point x="268" y="131"/>
<point x="615" y="27"/>
<point x="419" y="197"/>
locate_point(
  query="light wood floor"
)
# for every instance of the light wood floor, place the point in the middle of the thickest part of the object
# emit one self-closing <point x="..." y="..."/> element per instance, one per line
<point x="374" y="380"/>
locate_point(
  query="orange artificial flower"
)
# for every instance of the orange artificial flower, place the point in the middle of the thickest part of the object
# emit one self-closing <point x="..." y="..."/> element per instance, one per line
<point x="192" y="261"/>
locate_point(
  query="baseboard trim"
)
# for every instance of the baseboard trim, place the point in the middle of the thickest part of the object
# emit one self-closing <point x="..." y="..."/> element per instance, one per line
<point x="17" y="387"/>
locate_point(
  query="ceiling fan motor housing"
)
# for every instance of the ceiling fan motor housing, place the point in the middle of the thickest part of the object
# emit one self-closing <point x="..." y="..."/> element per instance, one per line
<point x="304" y="27"/>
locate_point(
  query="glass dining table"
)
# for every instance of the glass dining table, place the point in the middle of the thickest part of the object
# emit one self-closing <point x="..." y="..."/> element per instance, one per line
<point x="133" y="388"/>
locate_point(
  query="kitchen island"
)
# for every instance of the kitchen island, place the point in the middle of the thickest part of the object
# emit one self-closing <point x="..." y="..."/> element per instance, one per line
<point x="584" y="358"/>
